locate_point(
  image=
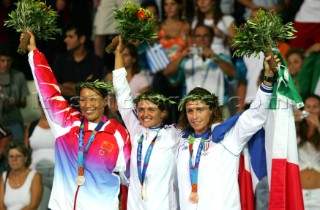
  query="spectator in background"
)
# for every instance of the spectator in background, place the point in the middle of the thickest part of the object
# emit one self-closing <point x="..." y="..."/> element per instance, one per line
<point x="174" y="33"/>
<point x="307" y="24"/>
<point x="309" y="151"/>
<point x="104" y="27"/>
<point x="202" y="66"/>
<point x="277" y="6"/>
<point x="137" y="81"/>
<point x="13" y="92"/>
<point x="78" y="64"/>
<point x="5" y="136"/>
<point x="40" y="139"/>
<point x="209" y="13"/>
<point x="20" y="186"/>
<point x="295" y="58"/>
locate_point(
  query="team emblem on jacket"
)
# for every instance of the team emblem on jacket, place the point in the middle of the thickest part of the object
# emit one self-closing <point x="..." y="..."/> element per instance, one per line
<point x="106" y="147"/>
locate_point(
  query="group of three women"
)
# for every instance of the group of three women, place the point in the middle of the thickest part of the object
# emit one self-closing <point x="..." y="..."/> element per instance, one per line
<point x="193" y="166"/>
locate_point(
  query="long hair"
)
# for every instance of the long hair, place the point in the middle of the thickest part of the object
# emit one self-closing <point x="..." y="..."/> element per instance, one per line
<point x="303" y="130"/>
<point x="216" y="10"/>
<point x="163" y="15"/>
<point x="133" y="52"/>
<point x="209" y="99"/>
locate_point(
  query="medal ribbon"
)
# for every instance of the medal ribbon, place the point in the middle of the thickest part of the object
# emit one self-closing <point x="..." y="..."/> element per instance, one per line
<point x="194" y="169"/>
<point x="142" y="173"/>
<point x="81" y="151"/>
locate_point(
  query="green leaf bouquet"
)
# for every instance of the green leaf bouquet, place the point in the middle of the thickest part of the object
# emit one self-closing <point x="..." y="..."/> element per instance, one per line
<point x="34" y="16"/>
<point x="261" y="34"/>
<point x="135" y="23"/>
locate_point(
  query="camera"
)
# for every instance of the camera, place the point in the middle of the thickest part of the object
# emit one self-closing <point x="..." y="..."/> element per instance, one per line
<point x="304" y="114"/>
<point x="195" y="50"/>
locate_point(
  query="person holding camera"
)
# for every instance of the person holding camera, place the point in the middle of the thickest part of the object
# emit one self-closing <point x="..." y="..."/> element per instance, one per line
<point x="202" y="66"/>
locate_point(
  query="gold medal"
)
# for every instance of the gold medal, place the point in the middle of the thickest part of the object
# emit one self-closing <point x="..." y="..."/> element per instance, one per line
<point x="80" y="180"/>
<point x="194" y="197"/>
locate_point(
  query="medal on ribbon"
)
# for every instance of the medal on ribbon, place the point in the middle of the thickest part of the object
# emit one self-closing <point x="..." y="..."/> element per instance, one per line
<point x="80" y="180"/>
<point x="142" y="170"/>
<point x="194" y="169"/>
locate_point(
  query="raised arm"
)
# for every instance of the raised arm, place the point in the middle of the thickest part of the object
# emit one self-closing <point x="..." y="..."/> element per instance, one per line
<point x="255" y="117"/>
<point x="123" y="92"/>
<point x="59" y="113"/>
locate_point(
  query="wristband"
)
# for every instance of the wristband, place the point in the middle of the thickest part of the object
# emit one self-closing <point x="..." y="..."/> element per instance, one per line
<point x="269" y="79"/>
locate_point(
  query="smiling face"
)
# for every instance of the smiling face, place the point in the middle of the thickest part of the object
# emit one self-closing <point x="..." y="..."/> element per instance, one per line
<point x="92" y="105"/>
<point x="16" y="159"/>
<point x="149" y="114"/>
<point x="198" y="115"/>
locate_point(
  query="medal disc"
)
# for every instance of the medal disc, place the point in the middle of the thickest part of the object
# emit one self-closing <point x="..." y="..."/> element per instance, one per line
<point x="194" y="197"/>
<point x="80" y="180"/>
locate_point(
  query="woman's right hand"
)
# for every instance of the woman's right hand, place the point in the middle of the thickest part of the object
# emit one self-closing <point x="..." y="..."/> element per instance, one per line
<point x="32" y="41"/>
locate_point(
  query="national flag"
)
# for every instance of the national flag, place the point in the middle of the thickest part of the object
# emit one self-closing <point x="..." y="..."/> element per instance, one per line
<point x="281" y="146"/>
<point x="308" y="77"/>
<point x="157" y="57"/>
<point x="279" y="163"/>
<point x="107" y="146"/>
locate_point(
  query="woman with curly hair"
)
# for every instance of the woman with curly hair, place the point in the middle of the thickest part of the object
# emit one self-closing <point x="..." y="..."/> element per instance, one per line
<point x="20" y="186"/>
<point x="208" y="155"/>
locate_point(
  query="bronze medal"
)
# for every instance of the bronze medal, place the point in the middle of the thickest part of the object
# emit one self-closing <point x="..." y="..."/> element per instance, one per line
<point x="194" y="197"/>
<point x="80" y="180"/>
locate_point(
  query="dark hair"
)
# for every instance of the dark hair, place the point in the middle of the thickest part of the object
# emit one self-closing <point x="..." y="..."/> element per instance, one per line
<point x="21" y="148"/>
<point x="303" y="129"/>
<point x="295" y="50"/>
<point x="210" y="29"/>
<point x="209" y="99"/>
<point x="163" y="12"/>
<point x="149" y="3"/>
<point x="216" y="10"/>
<point x="133" y="52"/>
<point x="163" y="103"/>
<point x="80" y="30"/>
<point x="6" y="50"/>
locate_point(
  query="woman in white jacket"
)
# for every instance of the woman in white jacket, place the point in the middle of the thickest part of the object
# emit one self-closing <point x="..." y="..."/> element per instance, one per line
<point x="152" y="182"/>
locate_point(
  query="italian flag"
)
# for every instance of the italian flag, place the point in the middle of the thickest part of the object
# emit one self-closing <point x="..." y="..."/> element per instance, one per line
<point x="281" y="145"/>
<point x="272" y="152"/>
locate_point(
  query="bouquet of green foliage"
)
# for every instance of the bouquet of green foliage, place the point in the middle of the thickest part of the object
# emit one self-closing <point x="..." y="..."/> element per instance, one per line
<point x="135" y="23"/>
<point x="261" y="34"/>
<point x="34" y="16"/>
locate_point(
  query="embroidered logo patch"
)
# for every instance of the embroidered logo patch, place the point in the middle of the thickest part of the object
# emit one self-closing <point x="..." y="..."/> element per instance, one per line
<point x="107" y="146"/>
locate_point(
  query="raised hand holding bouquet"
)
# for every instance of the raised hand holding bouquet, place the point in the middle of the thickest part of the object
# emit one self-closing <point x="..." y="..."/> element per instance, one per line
<point x="260" y="34"/>
<point x="135" y="23"/>
<point x="35" y="16"/>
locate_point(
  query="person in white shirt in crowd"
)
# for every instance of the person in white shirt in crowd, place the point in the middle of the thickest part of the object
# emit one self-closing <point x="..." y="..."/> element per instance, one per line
<point x="202" y="66"/>
<point x="308" y="127"/>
